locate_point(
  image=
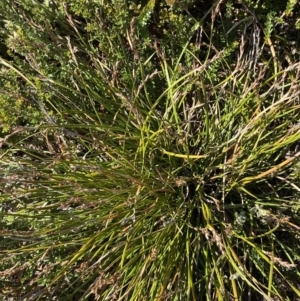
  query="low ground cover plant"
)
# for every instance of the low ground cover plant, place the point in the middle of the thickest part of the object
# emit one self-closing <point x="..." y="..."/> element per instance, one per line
<point x="149" y="151"/>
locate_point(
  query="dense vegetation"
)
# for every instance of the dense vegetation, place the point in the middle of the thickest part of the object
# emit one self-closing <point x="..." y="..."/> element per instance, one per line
<point x="149" y="150"/>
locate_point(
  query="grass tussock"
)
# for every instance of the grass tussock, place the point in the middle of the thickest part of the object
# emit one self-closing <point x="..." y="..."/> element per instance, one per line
<point x="150" y="171"/>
